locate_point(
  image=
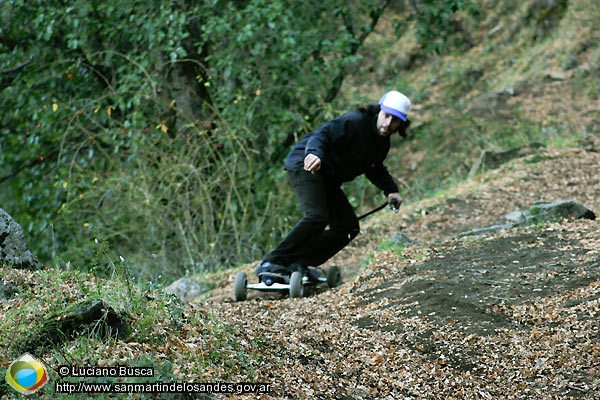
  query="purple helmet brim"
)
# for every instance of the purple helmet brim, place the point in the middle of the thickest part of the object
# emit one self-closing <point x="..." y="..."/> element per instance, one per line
<point x="393" y="112"/>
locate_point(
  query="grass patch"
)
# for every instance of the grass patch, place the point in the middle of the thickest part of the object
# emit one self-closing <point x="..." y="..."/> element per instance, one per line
<point x="181" y="342"/>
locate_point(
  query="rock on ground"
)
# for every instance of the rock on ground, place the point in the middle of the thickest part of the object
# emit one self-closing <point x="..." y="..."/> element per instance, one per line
<point x="13" y="247"/>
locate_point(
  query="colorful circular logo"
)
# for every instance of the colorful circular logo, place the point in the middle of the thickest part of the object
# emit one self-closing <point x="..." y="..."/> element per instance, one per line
<point x="26" y="375"/>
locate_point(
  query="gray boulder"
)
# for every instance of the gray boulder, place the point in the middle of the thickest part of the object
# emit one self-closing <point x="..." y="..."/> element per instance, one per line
<point x="7" y="289"/>
<point x="13" y="247"/>
<point x="544" y="211"/>
<point x="400" y="239"/>
<point x="539" y="212"/>
<point x="185" y="289"/>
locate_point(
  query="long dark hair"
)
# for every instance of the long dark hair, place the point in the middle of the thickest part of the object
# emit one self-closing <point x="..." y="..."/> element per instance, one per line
<point x="372" y="110"/>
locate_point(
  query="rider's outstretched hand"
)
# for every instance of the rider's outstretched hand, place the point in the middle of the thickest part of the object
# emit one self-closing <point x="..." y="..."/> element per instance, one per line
<point x="394" y="200"/>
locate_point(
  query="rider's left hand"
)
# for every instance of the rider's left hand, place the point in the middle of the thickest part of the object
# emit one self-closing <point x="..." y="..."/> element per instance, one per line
<point x="394" y="200"/>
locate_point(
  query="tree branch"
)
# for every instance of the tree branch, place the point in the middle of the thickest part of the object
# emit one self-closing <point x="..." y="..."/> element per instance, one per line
<point x="27" y="165"/>
<point x="338" y="80"/>
<point x="16" y="68"/>
<point x="333" y="91"/>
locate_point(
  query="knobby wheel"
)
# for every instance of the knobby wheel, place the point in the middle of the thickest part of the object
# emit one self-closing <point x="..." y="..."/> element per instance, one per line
<point x="296" y="286"/>
<point x="334" y="276"/>
<point x="240" y="289"/>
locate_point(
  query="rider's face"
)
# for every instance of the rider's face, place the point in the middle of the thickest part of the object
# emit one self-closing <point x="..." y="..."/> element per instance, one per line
<point x="387" y="123"/>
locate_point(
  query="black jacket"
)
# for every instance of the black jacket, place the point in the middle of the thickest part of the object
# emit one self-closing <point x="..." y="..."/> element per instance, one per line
<point x="348" y="146"/>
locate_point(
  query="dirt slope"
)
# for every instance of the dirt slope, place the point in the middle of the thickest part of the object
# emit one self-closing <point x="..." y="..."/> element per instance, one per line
<point x="509" y="315"/>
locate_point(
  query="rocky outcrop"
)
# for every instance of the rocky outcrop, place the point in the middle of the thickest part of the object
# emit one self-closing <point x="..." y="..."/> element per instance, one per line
<point x="13" y="247"/>
<point x="551" y="210"/>
<point x="91" y="317"/>
<point x="7" y="289"/>
<point x="539" y="212"/>
<point x="185" y="289"/>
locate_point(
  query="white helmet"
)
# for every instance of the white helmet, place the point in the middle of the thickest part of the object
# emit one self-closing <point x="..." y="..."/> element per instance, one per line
<point x="396" y="104"/>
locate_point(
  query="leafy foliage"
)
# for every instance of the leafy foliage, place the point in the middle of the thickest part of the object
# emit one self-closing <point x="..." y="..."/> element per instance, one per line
<point x="160" y="127"/>
<point x="437" y="27"/>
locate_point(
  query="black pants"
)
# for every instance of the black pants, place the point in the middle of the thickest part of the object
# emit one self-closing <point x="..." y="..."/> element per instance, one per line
<point x="310" y="242"/>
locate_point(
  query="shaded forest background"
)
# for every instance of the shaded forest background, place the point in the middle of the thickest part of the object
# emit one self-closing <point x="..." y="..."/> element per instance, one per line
<point x="156" y="130"/>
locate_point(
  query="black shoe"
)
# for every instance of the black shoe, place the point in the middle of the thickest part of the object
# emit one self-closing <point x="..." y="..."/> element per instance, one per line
<point x="268" y="266"/>
<point x="270" y="273"/>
